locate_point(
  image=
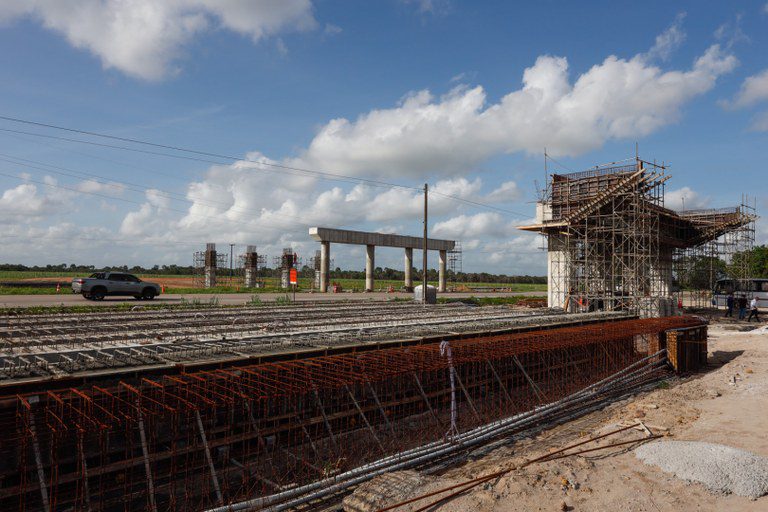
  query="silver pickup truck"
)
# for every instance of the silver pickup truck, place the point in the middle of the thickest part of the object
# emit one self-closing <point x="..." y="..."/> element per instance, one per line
<point x="100" y="284"/>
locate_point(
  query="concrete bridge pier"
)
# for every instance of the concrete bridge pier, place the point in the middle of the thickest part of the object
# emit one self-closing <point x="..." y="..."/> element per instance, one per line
<point x="441" y="271"/>
<point x="371" y="240"/>
<point x="370" y="265"/>
<point x="325" y="265"/>
<point x="408" y="284"/>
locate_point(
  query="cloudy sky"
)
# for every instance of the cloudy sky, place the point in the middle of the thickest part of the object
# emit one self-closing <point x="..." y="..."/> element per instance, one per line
<point x="463" y="95"/>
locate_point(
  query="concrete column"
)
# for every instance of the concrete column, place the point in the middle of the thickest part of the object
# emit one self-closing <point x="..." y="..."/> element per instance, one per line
<point x="559" y="274"/>
<point x="370" y="264"/>
<point x="408" y="269"/>
<point x="210" y="265"/>
<point x="325" y="265"/>
<point x="441" y="271"/>
<point x="251" y="267"/>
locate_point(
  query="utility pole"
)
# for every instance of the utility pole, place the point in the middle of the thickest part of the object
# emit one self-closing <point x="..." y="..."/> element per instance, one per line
<point x="424" y="277"/>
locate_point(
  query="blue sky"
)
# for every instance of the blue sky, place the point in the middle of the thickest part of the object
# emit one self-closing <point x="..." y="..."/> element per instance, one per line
<point x="462" y="95"/>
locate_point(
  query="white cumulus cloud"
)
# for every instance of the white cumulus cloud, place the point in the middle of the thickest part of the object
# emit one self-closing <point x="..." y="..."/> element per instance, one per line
<point x="25" y="203"/>
<point x="669" y="40"/>
<point x="468" y="227"/>
<point x="753" y="90"/>
<point x="146" y="38"/>
<point x="99" y="187"/>
<point x="685" y="198"/>
<point x="616" y="99"/>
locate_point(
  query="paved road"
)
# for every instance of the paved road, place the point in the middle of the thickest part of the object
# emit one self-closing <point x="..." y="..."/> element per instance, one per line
<point x="69" y="299"/>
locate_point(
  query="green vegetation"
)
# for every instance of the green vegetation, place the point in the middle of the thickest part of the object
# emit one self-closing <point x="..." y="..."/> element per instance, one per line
<point x="758" y="261"/>
<point x="195" y="302"/>
<point x="700" y="269"/>
<point x="283" y="300"/>
<point x="382" y="275"/>
<point x="18" y="271"/>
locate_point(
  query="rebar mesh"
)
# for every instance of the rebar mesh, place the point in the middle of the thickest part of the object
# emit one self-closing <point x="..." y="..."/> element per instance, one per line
<point x="194" y="439"/>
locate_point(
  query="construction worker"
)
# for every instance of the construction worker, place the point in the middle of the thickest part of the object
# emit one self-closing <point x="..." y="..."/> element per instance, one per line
<point x="729" y="303"/>
<point x="753" y="310"/>
<point x="742" y="306"/>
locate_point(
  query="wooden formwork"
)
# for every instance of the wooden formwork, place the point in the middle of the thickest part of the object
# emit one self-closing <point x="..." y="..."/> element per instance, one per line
<point x="687" y="348"/>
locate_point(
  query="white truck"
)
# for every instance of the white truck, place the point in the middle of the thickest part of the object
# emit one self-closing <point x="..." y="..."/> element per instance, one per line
<point x="101" y="284"/>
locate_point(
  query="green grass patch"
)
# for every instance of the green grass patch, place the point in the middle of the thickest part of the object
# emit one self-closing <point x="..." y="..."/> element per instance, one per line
<point x="271" y="283"/>
<point x="34" y="290"/>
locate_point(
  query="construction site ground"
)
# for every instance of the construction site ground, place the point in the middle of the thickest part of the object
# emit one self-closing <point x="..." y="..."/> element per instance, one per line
<point x="727" y="404"/>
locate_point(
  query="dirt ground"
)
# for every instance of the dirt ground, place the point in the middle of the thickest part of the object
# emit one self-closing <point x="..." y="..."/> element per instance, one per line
<point x="728" y="404"/>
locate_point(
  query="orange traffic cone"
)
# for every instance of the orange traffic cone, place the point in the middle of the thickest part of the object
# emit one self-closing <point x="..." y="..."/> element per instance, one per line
<point x="162" y="288"/>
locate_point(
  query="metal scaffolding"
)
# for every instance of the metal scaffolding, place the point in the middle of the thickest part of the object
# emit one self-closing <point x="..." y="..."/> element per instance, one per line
<point x="455" y="263"/>
<point x="612" y="245"/>
<point x="206" y="264"/>
<point x="729" y="256"/>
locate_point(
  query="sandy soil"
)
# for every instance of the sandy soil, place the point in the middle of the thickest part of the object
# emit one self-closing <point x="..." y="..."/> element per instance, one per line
<point x="728" y="405"/>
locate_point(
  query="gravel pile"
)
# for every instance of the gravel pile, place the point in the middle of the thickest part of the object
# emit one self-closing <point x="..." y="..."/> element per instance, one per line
<point x="720" y="468"/>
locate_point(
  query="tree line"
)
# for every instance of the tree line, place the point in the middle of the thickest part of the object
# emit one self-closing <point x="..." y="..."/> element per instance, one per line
<point x="380" y="273"/>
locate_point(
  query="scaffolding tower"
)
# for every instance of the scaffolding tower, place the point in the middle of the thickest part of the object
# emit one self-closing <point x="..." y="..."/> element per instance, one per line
<point x="613" y="245"/>
<point x="205" y="265"/>
<point x="454" y="264"/>
<point x="729" y="256"/>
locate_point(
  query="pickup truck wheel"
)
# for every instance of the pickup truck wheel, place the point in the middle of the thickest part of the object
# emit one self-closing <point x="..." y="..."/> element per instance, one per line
<point x="148" y="294"/>
<point x="98" y="293"/>
<point x="138" y="297"/>
<point x="86" y="296"/>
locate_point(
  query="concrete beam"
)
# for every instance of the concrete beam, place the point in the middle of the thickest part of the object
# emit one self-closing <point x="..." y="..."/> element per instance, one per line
<point x="344" y="236"/>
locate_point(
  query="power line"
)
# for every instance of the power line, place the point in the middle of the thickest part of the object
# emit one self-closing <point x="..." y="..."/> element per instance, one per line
<point x="174" y="196"/>
<point x="326" y="174"/>
<point x="323" y="174"/>
<point x="142" y="241"/>
<point x="484" y="205"/>
<point x="558" y="163"/>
